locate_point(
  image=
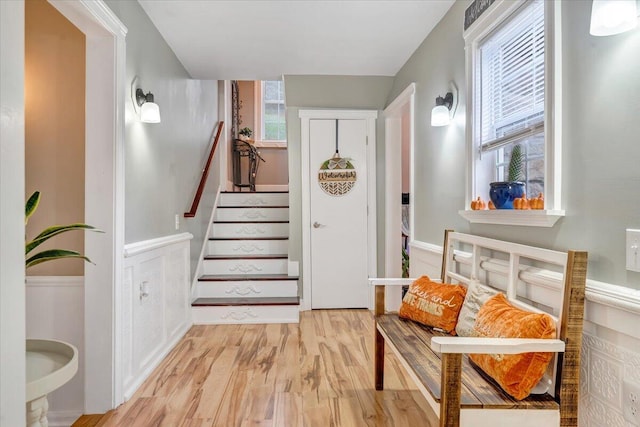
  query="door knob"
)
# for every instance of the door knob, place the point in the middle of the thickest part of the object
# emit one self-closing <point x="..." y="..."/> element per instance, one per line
<point x="317" y="225"/>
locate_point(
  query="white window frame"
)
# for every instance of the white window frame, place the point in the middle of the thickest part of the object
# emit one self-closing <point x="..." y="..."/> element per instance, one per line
<point x="491" y="19"/>
<point x="258" y="124"/>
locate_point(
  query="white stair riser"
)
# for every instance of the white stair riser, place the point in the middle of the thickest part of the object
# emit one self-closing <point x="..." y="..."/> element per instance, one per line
<point x="248" y="247"/>
<point x="254" y="199"/>
<point x="246" y="314"/>
<point x="252" y="214"/>
<point x="248" y="289"/>
<point x="246" y="266"/>
<point x="235" y="230"/>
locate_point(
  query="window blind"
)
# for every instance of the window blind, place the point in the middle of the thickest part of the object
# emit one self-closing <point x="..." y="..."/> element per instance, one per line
<point x="512" y="79"/>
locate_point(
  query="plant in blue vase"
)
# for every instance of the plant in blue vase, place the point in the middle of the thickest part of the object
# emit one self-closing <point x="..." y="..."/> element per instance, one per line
<point x="503" y="193"/>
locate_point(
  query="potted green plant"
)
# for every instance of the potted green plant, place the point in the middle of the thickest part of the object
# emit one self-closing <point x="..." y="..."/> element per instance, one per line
<point x="503" y="193"/>
<point x="46" y="234"/>
<point x="245" y="133"/>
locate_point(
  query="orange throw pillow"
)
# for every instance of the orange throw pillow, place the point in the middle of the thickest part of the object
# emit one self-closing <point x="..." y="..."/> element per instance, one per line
<point x="517" y="374"/>
<point x="433" y="304"/>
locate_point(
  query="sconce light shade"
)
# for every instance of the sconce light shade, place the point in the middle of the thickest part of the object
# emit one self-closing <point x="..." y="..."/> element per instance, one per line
<point x="440" y="116"/>
<point x="149" y="110"/>
<point x="609" y="17"/>
<point x="440" y="113"/>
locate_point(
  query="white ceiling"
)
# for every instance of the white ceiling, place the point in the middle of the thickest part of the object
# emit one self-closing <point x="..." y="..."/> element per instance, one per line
<point x="263" y="39"/>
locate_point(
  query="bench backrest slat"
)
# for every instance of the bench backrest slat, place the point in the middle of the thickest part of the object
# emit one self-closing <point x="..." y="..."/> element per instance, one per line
<point x="533" y="279"/>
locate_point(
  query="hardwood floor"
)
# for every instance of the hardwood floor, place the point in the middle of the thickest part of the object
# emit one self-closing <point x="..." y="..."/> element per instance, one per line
<point x="317" y="373"/>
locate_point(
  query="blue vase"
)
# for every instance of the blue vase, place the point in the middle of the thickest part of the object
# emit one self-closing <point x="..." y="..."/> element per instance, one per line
<point x="502" y="194"/>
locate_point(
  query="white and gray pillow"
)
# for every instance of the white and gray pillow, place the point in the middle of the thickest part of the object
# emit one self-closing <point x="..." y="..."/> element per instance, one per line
<point x="477" y="295"/>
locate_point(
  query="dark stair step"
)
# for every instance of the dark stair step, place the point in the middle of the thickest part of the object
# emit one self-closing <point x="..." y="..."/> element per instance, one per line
<point x="215" y="302"/>
<point x="253" y="192"/>
<point x="275" y="256"/>
<point x="247" y="277"/>
<point x="253" y="207"/>
<point x="248" y="238"/>
<point x="250" y="222"/>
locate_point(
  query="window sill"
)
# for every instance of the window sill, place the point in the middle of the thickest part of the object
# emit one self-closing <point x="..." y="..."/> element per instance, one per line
<point x="270" y="144"/>
<point x="530" y="218"/>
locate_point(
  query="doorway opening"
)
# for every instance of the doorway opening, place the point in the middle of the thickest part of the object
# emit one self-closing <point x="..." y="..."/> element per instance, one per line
<point x="104" y="198"/>
<point x="399" y="174"/>
<point x="320" y="129"/>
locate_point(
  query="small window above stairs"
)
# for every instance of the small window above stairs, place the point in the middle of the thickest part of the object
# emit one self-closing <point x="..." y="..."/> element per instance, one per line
<point x="245" y="271"/>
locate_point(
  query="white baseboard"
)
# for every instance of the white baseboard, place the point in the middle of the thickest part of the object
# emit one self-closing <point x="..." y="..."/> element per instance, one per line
<point x="54" y="281"/>
<point x="63" y="418"/>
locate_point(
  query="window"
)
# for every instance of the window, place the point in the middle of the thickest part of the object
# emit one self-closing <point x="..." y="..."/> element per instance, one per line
<point x="270" y="112"/>
<point x="512" y="91"/>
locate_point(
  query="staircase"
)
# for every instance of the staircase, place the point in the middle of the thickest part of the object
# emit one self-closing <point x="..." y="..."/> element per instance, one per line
<point x="245" y="274"/>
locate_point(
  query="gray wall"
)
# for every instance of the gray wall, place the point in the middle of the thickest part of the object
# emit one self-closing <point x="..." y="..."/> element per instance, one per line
<point x="329" y="92"/>
<point x="163" y="161"/>
<point x="601" y="147"/>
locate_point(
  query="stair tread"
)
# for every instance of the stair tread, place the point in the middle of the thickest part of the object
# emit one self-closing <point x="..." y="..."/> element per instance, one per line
<point x="212" y="302"/>
<point x="253" y="192"/>
<point x="250" y="222"/>
<point x="246" y="256"/>
<point x="244" y="277"/>
<point x="253" y="207"/>
<point x="248" y="238"/>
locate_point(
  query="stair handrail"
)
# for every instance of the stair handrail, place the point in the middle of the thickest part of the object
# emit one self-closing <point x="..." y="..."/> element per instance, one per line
<point x="205" y="174"/>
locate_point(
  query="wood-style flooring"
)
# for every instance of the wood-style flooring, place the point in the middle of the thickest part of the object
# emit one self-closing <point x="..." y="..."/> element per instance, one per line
<point x="317" y="373"/>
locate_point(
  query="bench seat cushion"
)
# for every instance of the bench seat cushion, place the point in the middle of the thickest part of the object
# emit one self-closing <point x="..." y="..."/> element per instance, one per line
<point x="412" y="341"/>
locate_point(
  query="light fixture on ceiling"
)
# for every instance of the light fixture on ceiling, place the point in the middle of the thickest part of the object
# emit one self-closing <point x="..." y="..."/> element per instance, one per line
<point x="445" y="108"/>
<point x="609" y="17"/>
<point x="149" y="110"/>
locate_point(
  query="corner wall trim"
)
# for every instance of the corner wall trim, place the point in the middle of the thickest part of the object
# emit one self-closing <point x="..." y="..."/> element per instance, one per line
<point x="137" y="248"/>
<point x="618" y="297"/>
<point x="400" y="100"/>
<point x="426" y="246"/>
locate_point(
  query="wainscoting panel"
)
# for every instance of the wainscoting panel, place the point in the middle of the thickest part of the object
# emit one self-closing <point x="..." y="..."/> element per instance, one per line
<point x="156" y="307"/>
<point x="55" y="310"/>
<point x="610" y="347"/>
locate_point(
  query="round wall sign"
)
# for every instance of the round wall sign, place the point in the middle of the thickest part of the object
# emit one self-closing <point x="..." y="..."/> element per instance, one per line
<point x="337" y="176"/>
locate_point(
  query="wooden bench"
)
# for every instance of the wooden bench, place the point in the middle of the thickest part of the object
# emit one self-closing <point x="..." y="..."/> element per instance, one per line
<point x="532" y="278"/>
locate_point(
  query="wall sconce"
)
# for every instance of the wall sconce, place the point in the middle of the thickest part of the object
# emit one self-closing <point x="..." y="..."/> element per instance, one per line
<point x="445" y="108"/>
<point x="609" y="17"/>
<point x="149" y="110"/>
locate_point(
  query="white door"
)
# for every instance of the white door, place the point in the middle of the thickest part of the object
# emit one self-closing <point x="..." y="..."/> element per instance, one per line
<point x="339" y="246"/>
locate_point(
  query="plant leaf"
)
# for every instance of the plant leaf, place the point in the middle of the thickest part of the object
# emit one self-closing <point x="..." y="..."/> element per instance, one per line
<point x="31" y="206"/>
<point x="51" y="254"/>
<point x="53" y="231"/>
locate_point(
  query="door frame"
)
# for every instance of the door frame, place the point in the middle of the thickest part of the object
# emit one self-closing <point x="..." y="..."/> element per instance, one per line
<point x="306" y="116"/>
<point x="393" y="114"/>
<point x="104" y="198"/>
